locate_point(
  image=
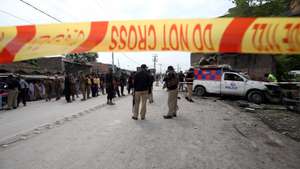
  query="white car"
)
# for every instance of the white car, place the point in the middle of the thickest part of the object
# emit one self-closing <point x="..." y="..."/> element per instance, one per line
<point x="232" y="83"/>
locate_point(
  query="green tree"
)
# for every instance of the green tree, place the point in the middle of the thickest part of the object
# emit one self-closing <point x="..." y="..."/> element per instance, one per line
<point x="267" y="8"/>
<point x="287" y="63"/>
<point x="83" y="57"/>
<point x="259" y="8"/>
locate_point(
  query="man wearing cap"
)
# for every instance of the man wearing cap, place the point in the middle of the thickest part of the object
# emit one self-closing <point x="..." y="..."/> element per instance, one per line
<point x="171" y="82"/>
<point x="141" y="85"/>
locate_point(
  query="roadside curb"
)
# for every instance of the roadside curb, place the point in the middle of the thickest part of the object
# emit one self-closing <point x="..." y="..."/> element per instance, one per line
<point x="22" y="136"/>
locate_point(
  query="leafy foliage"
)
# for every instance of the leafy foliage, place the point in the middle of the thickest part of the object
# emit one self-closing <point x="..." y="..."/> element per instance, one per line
<point x="83" y="57"/>
<point x="259" y="8"/>
<point x="287" y="63"/>
<point x="267" y="8"/>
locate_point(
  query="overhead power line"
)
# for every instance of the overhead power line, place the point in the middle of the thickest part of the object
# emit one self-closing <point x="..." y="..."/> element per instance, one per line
<point x="40" y="10"/>
<point x="98" y="3"/>
<point x="131" y="59"/>
<point x="12" y="15"/>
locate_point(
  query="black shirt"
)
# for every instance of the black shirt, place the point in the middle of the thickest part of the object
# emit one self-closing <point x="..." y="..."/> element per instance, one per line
<point x="181" y="77"/>
<point x="12" y="83"/>
<point x="171" y="80"/>
<point x="189" y="77"/>
<point x="142" y="81"/>
<point x="109" y="80"/>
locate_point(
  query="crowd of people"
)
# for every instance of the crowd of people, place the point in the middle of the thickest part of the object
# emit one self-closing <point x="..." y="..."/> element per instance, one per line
<point x="92" y="85"/>
<point x="20" y="90"/>
<point x="86" y="86"/>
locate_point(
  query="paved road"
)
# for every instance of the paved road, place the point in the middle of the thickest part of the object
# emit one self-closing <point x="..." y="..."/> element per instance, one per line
<point x="207" y="134"/>
<point x="39" y="113"/>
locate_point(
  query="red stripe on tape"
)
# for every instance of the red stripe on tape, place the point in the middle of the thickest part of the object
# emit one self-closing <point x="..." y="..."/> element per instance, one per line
<point x="96" y="35"/>
<point x="233" y="35"/>
<point x="24" y="35"/>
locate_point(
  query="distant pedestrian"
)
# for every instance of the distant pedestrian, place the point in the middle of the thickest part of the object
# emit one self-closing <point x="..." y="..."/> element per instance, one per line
<point x="67" y="88"/>
<point x="117" y="85"/>
<point x="110" y="88"/>
<point x="122" y="83"/>
<point x="270" y="77"/>
<point x="171" y="83"/>
<point x="31" y="91"/>
<point x="77" y="86"/>
<point x="42" y="90"/>
<point x="98" y="84"/>
<point x="88" y="85"/>
<point x="189" y="80"/>
<point x="130" y="82"/>
<point x="82" y="82"/>
<point x="141" y="84"/>
<point x="23" y="94"/>
<point x="48" y="89"/>
<point x="102" y="83"/>
<point x="37" y="93"/>
<point x="73" y="87"/>
<point x="12" y="98"/>
<point x="57" y="87"/>
<point x="181" y="81"/>
<point x="151" y="87"/>
<point x="37" y="90"/>
<point x="94" y="86"/>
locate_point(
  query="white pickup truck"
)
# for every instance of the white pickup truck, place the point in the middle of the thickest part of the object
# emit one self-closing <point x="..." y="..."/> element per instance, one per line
<point x="229" y="83"/>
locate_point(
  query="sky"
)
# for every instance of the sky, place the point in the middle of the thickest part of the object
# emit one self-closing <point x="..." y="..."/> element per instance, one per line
<point x="15" y="12"/>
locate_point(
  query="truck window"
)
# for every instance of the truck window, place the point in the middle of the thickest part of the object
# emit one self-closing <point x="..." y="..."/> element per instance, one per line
<point x="232" y="77"/>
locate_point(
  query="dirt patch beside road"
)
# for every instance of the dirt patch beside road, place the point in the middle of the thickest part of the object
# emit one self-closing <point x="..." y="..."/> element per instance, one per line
<point x="276" y="117"/>
<point x="285" y="122"/>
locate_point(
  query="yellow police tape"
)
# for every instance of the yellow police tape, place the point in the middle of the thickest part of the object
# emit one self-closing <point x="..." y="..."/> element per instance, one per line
<point x="224" y="35"/>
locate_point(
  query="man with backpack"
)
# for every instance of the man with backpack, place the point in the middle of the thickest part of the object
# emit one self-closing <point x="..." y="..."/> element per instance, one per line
<point x="171" y="82"/>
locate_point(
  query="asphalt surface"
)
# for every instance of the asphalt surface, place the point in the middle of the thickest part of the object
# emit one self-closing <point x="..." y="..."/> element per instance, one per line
<point x="207" y="134"/>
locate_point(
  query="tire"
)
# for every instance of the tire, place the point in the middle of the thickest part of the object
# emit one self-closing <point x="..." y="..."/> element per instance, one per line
<point x="256" y="97"/>
<point x="200" y="91"/>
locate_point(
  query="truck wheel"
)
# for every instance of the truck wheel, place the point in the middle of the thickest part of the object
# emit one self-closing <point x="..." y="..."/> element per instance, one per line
<point x="200" y="91"/>
<point x="256" y="97"/>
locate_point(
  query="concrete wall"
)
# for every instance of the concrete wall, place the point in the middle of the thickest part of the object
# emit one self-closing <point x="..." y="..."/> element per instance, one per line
<point x="101" y="68"/>
<point x="19" y="66"/>
<point x="53" y="65"/>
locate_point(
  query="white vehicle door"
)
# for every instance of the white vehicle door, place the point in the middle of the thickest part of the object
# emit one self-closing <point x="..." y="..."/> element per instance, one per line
<point x="232" y="84"/>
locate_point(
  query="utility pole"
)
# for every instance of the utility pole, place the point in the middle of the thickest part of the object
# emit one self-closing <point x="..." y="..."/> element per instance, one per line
<point x="113" y="60"/>
<point x="154" y="61"/>
<point x="160" y="70"/>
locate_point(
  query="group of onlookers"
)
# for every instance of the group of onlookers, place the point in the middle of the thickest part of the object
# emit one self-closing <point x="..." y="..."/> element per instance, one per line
<point x="19" y="90"/>
<point x="139" y="83"/>
<point x="92" y="85"/>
